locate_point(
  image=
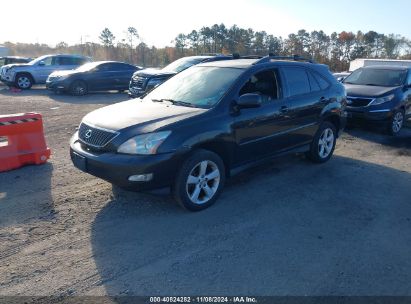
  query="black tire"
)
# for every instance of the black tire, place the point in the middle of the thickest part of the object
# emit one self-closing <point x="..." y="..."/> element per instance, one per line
<point x="192" y="167"/>
<point x="396" y="123"/>
<point x="78" y="88"/>
<point x="24" y="81"/>
<point x="315" y="153"/>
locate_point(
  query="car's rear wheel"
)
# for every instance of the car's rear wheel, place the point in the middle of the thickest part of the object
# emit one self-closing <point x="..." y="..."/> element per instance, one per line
<point x="199" y="181"/>
<point x="396" y="122"/>
<point x="78" y="88"/>
<point x="323" y="145"/>
<point x="24" y="81"/>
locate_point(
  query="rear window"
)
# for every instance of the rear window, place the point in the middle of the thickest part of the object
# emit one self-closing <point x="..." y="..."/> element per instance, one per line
<point x="70" y="61"/>
<point x="297" y="81"/>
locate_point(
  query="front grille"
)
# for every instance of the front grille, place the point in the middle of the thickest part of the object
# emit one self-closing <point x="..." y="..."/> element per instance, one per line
<point x="139" y="82"/>
<point x="358" y="101"/>
<point x="94" y="136"/>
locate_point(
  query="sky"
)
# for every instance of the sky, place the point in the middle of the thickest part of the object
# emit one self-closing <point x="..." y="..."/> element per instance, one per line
<point x="159" y="22"/>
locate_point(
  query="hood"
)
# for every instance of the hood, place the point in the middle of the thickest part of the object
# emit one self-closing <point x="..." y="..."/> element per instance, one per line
<point x="148" y="73"/>
<point x="147" y="116"/>
<point x="16" y="65"/>
<point x="367" y="90"/>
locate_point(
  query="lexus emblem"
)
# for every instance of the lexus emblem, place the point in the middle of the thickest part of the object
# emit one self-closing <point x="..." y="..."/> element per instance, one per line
<point x="88" y="134"/>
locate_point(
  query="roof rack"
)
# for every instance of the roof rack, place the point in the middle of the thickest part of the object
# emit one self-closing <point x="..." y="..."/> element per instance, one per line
<point x="272" y="56"/>
<point x="238" y="56"/>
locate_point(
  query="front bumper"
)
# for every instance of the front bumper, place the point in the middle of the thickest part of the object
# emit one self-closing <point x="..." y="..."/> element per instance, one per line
<point x="57" y="85"/>
<point x="378" y="116"/>
<point x="116" y="168"/>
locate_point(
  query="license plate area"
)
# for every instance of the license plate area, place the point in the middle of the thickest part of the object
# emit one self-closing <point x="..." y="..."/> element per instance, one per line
<point x="79" y="161"/>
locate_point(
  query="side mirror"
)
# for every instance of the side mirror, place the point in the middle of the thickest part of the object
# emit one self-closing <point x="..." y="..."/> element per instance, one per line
<point x="340" y="79"/>
<point x="41" y="63"/>
<point x="249" y="100"/>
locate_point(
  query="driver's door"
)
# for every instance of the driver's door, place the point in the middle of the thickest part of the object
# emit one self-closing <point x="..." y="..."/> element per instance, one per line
<point x="44" y="68"/>
<point x="261" y="131"/>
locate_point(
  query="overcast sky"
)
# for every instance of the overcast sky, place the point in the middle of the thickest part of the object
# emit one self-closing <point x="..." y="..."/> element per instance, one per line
<point x="158" y="22"/>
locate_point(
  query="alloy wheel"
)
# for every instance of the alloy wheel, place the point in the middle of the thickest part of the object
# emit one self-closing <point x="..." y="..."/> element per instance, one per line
<point x="23" y="82"/>
<point x="202" y="182"/>
<point x="326" y="143"/>
<point x="397" y="122"/>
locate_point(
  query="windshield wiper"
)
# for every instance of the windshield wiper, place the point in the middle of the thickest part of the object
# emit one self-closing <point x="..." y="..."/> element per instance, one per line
<point x="175" y="102"/>
<point x="372" y="84"/>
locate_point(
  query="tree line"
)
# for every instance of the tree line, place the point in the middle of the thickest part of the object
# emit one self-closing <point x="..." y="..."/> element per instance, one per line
<point x="335" y="50"/>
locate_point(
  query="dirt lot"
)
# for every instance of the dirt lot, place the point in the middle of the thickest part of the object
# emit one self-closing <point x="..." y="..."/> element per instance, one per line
<point x="287" y="228"/>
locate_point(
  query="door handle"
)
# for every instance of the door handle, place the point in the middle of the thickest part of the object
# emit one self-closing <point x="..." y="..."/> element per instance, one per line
<point x="284" y="109"/>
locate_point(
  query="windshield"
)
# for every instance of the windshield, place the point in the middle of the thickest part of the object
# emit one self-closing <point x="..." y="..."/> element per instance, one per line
<point x="200" y="87"/>
<point x="38" y="59"/>
<point x="377" y="77"/>
<point x="87" y="66"/>
<point x="181" y="64"/>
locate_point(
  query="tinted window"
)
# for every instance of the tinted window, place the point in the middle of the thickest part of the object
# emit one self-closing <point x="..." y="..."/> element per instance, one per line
<point x="321" y="81"/>
<point x="297" y="80"/>
<point x="122" y="67"/>
<point x="2" y="61"/>
<point x="263" y="83"/>
<point x="315" y="87"/>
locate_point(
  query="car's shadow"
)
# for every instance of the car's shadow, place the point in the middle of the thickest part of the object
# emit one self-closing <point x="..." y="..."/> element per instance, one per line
<point x="369" y="133"/>
<point x="289" y="228"/>
<point x="109" y="97"/>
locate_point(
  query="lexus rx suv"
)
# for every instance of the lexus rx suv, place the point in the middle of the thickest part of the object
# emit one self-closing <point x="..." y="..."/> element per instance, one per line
<point x="211" y="121"/>
<point x="380" y="95"/>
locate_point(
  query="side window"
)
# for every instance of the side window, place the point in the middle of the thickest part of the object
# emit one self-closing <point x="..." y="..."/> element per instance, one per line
<point x="2" y="61"/>
<point x="64" y="61"/>
<point x="315" y="87"/>
<point x="48" y="61"/>
<point x="408" y="82"/>
<point x="297" y="80"/>
<point x="264" y="83"/>
<point x="321" y="81"/>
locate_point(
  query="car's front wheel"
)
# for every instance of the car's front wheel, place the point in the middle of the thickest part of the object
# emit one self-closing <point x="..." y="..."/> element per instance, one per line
<point x="24" y="81"/>
<point x="199" y="181"/>
<point x="323" y="145"/>
<point x="78" y="88"/>
<point x="396" y="123"/>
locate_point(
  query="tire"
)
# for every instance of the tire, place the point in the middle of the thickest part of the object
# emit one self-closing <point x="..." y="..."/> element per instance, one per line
<point x="24" y="81"/>
<point x="323" y="145"/>
<point x="199" y="181"/>
<point x="78" y="88"/>
<point x="396" y="123"/>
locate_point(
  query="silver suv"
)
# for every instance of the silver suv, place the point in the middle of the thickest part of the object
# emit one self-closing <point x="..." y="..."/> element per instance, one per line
<point x="36" y="71"/>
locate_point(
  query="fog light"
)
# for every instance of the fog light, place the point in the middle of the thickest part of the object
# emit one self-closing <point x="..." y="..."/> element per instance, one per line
<point x="141" y="177"/>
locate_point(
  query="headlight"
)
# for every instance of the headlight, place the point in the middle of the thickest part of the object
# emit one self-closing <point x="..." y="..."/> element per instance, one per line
<point x="154" y="81"/>
<point x="144" y="144"/>
<point x="381" y="100"/>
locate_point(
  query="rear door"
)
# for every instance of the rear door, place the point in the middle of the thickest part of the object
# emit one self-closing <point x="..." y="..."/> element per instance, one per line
<point x="121" y="75"/>
<point x="306" y="98"/>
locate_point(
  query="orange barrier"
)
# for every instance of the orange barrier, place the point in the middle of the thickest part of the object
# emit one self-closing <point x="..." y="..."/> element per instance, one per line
<point x="22" y="141"/>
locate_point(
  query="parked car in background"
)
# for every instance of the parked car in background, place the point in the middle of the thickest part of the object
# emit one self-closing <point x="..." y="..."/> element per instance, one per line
<point x="380" y="95"/>
<point x="23" y="76"/>
<point x="93" y="76"/>
<point x="210" y="121"/>
<point x="145" y="80"/>
<point x="13" y="59"/>
<point x="340" y="76"/>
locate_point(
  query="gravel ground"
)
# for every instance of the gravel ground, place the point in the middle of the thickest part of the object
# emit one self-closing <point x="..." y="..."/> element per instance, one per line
<point x="286" y="228"/>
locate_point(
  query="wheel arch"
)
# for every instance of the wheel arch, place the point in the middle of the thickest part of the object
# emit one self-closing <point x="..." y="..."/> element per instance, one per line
<point x="220" y="149"/>
<point x="25" y="73"/>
